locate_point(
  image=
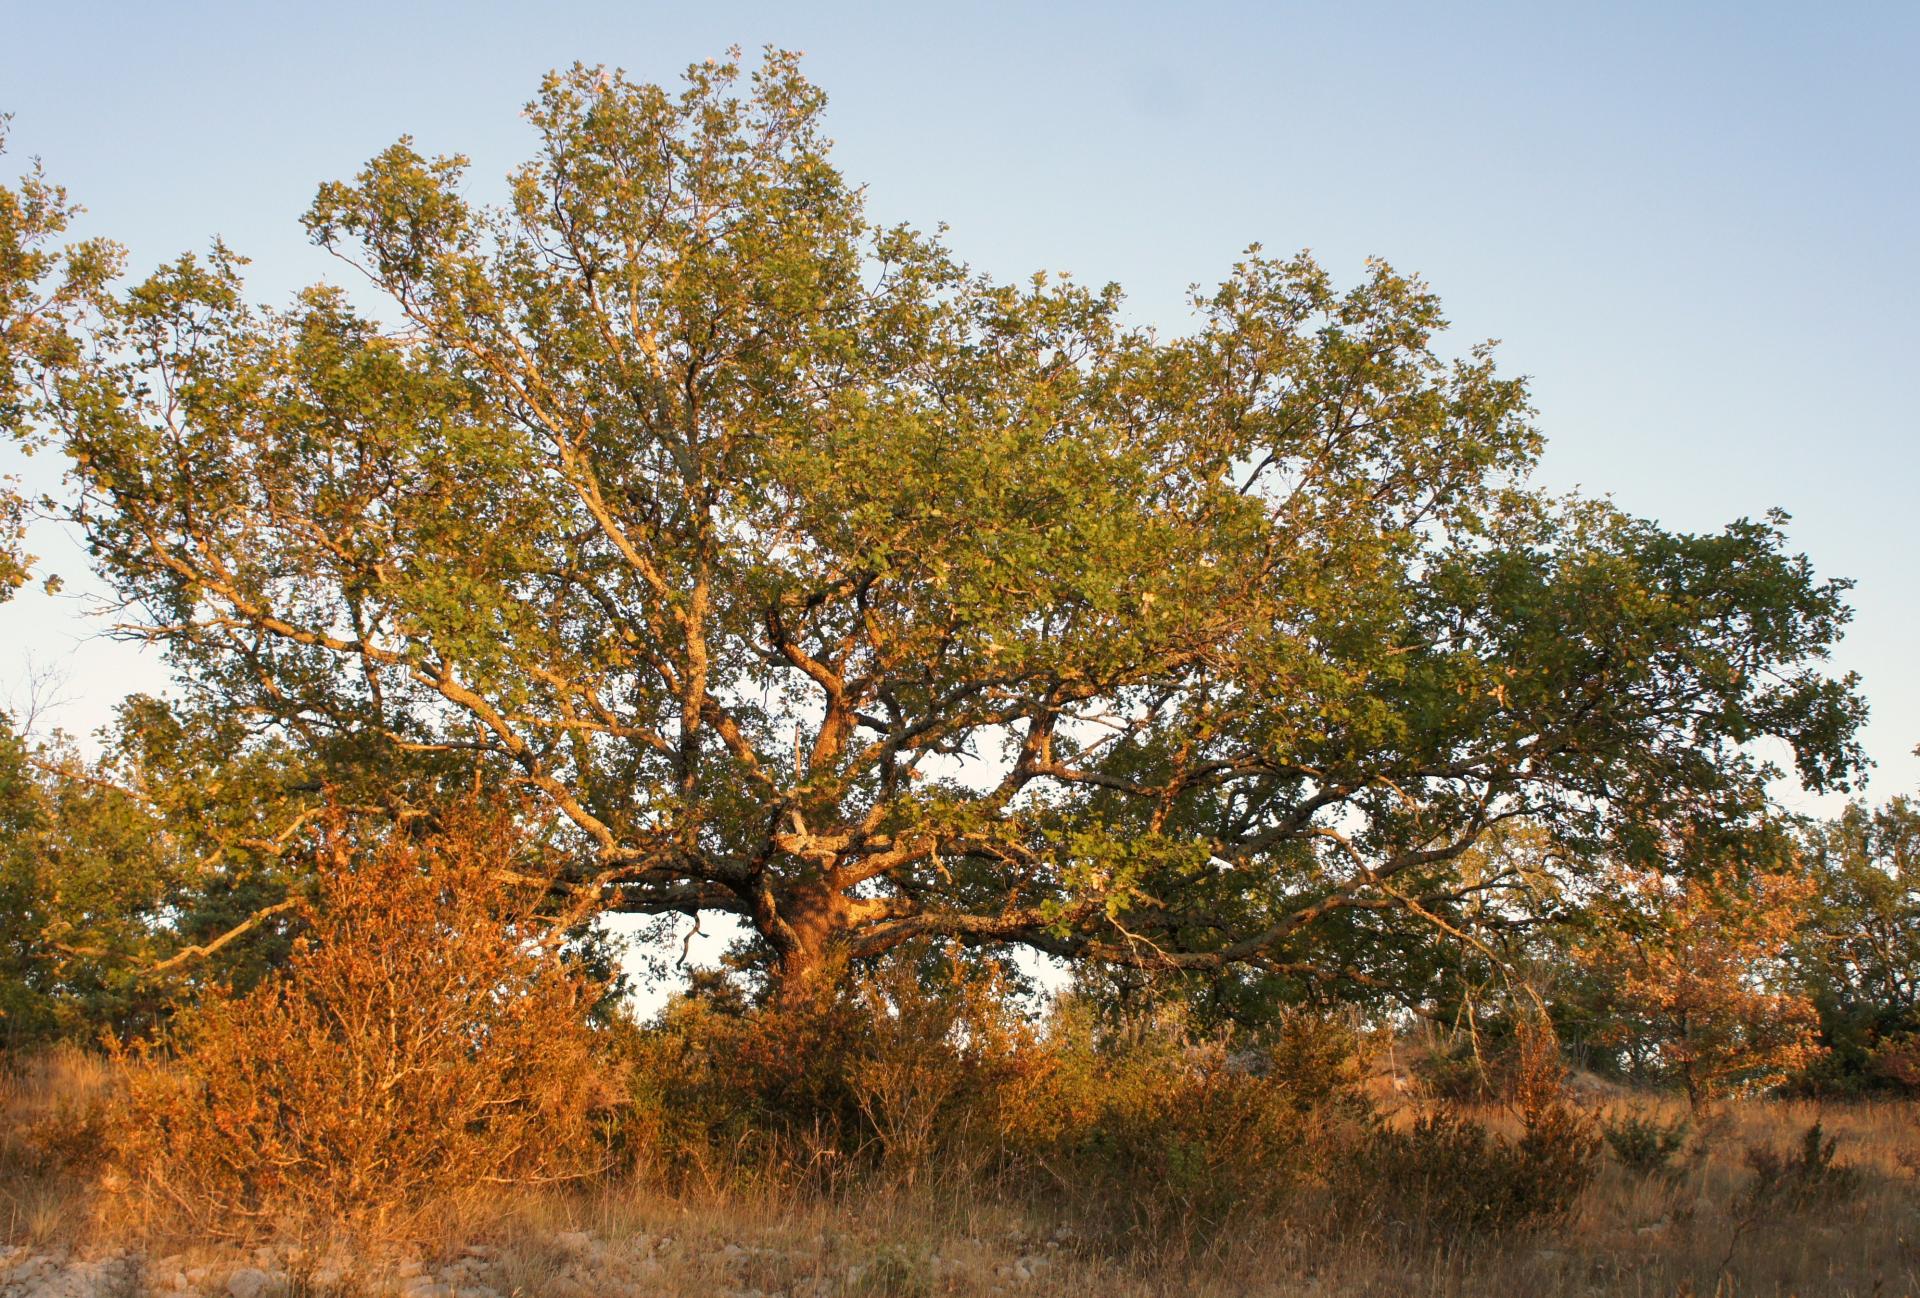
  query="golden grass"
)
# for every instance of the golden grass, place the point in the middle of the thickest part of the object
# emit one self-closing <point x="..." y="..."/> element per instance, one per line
<point x="1648" y="1237"/>
<point x="50" y="1104"/>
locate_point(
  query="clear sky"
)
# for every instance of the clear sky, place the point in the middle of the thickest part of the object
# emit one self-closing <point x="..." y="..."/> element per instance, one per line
<point x="1696" y="226"/>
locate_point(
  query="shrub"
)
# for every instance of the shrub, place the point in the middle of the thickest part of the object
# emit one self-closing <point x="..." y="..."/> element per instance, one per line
<point x="1148" y="1131"/>
<point x="54" y="1104"/>
<point x="1452" y="1071"/>
<point x="903" y="1065"/>
<point x="429" y="1038"/>
<point x="1643" y="1144"/>
<point x="1802" y="1179"/>
<point x="721" y="1092"/>
<point x="1163" y="1138"/>
<point x="1448" y="1172"/>
<point x="941" y="1056"/>
<point x="1319" y="1058"/>
<point x="1187" y="1155"/>
<point x="1514" y="1057"/>
<point x="1894" y="1062"/>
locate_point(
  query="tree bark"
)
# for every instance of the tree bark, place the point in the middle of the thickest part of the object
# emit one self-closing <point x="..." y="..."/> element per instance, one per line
<point x="808" y="935"/>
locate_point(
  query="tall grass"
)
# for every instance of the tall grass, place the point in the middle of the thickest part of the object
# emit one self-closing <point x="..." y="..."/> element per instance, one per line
<point x="966" y="1231"/>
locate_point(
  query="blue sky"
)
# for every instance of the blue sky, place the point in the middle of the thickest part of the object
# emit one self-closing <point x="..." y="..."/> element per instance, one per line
<point x="1696" y="226"/>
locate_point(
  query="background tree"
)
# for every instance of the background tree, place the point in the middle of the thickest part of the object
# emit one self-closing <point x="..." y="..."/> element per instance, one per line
<point x="1690" y="977"/>
<point x="812" y="577"/>
<point x="131" y="881"/>
<point x="1474" y="958"/>
<point x="43" y="286"/>
<point x="1859" y="952"/>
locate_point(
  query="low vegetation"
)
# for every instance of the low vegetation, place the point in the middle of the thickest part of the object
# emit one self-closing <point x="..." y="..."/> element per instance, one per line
<point x="433" y="1092"/>
<point x="1224" y="1182"/>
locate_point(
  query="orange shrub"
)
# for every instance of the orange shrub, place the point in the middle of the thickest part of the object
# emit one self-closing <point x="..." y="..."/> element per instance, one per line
<point x="427" y="1040"/>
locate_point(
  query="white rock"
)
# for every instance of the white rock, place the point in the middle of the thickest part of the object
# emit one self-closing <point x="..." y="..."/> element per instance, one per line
<point x="425" y="1286"/>
<point x="248" y="1282"/>
<point x="1026" y="1268"/>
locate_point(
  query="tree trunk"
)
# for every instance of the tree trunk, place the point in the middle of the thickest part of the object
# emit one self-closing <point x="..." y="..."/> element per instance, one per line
<point x="807" y="936"/>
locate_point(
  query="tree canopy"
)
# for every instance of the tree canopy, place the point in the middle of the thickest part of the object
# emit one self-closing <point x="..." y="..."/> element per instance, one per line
<point x="810" y="575"/>
<point x="1859" y="951"/>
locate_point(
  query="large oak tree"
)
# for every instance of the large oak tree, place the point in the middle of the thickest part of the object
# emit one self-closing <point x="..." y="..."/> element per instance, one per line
<point x="810" y="576"/>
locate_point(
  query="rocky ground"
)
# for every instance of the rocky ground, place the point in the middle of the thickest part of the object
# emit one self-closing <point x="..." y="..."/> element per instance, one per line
<point x="566" y="1264"/>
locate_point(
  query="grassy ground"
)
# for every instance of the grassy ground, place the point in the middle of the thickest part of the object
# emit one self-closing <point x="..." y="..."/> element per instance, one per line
<point x="1696" y="1231"/>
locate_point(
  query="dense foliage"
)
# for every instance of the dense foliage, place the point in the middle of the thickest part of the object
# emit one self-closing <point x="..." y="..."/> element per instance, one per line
<point x="132" y="879"/>
<point x="1858" y="951"/>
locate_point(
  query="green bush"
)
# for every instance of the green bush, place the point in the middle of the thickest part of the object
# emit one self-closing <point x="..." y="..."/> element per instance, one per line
<point x="1152" y="1135"/>
<point x="1447" y="1172"/>
<point x="898" y="1070"/>
<point x="1802" y="1179"/>
<point x="1642" y="1144"/>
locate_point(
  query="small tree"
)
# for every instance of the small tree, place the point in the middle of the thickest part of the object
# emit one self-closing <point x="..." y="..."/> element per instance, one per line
<point x="85" y="891"/>
<point x="429" y="1038"/>
<point x="1691" y="972"/>
<point x="130" y="879"/>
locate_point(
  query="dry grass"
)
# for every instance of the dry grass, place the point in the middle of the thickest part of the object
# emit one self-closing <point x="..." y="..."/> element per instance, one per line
<point x="52" y="1106"/>
<point x="1689" y="1232"/>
